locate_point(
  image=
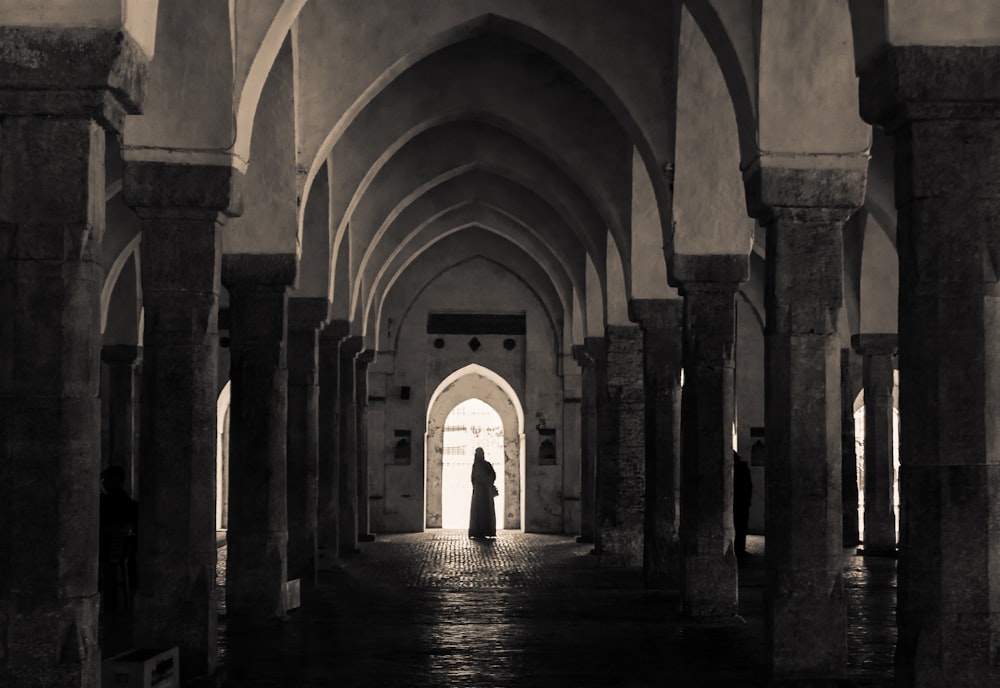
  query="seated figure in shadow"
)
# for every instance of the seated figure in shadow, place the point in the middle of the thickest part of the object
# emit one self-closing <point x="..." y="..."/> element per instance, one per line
<point x="482" y="516"/>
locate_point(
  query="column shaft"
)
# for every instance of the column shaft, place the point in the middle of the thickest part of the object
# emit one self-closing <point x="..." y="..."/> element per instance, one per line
<point x="588" y="446"/>
<point x="600" y="429"/>
<point x="661" y="322"/>
<point x="328" y="516"/>
<point x="120" y="361"/>
<point x="620" y="472"/>
<point x="708" y="573"/>
<point x="941" y="106"/>
<point x="305" y="316"/>
<point x="51" y="224"/>
<point x="257" y="565"/>
<point x="805" y="613"/>
<point x="175" y="603"/>
<point x="880" y="518"/>
<point x="349" y="348"/>
<point x="361" y="399"/>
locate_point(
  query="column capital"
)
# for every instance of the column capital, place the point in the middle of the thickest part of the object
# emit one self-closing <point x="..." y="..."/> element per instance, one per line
<point x="582" y="356"/>
<point x="351" y="346"/>
<point x="160" y="189"/>
<point x="97" y="73"/>
<point x="881" y="344"/>
<point x="918" y="82"/>
<point x="711" y="272"/>
<point x="826" y="193"/>
<point x="364" y="358"/>
<point x="652" y="314"/>
<point x="259" y="270"/>
<point x="334" y="331"/>
<point x="128" y="354"/>
<point x="308" y="312"/>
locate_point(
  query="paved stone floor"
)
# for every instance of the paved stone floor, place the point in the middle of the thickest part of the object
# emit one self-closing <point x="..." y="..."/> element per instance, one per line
<point x="437" y="609"/>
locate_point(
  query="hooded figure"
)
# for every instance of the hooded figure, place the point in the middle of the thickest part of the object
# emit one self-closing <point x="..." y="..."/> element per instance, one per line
<point x="482" y="516"/>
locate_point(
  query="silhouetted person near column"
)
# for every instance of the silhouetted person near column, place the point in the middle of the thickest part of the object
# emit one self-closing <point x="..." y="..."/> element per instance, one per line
<point x="742" y="491"/>
<point x="482" y="516"/>
<point x="119" y="522"/>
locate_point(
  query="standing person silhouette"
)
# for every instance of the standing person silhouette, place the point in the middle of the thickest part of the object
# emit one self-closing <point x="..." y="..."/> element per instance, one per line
<point x="482" y="516"/>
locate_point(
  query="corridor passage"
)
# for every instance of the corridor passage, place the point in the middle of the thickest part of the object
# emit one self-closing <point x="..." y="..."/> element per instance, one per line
<point x="436" y="609"/>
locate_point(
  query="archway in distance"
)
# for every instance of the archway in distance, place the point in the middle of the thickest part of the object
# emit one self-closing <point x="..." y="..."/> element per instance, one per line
<point x="475" y="382"/>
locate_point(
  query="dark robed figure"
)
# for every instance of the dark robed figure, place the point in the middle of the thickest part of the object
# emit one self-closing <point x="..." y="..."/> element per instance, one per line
<point x="482" y="516"/>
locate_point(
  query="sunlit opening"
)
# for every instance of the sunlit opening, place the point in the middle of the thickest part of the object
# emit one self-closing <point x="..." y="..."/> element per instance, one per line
<point x="471" y="424"/>
<point x="859" y="455"/>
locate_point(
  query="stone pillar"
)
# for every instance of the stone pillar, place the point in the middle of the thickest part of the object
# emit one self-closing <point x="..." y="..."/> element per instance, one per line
<point x="803" y="211"/>
<point x="848" y="462"/>
<point x="257" y="564"/>
<point x="709" y="585"/>
<point x="661" y="324"/>
<point x="942" y="106"/>
<point x="349" y="348"/>
<point x="52" y="181"/>
<point x="880" y="520"/>
<point x="361" y="401"/>
<point x="181" y="208"/>
<point x="620" y="470"/>
<point x="588" y="441"/>
<point x="305" y="316"/>
<point x="597" y="349"/>
<point x="120" y="361"/>
<point x="328" y="510"/>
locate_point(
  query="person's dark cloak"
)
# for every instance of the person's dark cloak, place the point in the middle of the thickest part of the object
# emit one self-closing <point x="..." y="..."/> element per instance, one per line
<point x="482" y="516"/>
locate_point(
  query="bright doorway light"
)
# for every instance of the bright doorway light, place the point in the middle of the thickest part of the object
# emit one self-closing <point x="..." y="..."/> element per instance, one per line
<point x="471" y="424"/>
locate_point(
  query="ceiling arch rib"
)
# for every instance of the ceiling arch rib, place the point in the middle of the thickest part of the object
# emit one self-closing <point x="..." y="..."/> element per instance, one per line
<point x="441" y="150"/>
<point x="601" y="61"/>
<point x="556" y="299"/>
<point x="580" y="135"/>
<point x="468" y="182"/>
<point x="459" y="218"/>
<point x="489" y="206"/>
<point x="411" y="280"/>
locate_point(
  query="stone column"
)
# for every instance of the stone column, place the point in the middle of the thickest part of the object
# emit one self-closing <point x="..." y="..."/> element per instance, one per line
<point x="349" y="348"/>
<point x="848" y="462"/>
<point x="305" y="316"/>
<point x="120" y="361"/>
<point x="942" y="106"/>
<point x="803" y="211"/>
<point x="59" y="91"/>
<point x="588" y="441"/>
<point x="880" y="520"/>
<point x="620" y="471"/>
<point x="181" y="208"/>
<point x="661" y="323"/>
<point x="361" y="401"/>
<point x="708" y="570"/>
<point x="328" y="510"/>
<point x="597" y="349"/>
<point x="257" y="564"/>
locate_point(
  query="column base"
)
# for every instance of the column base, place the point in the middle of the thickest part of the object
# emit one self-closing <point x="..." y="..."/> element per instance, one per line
<point x="585" y="539"/>
<point x="366" y="537"/>
<point x="875" y="552"/>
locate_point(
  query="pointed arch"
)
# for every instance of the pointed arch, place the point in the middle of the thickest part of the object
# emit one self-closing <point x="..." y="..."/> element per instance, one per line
<point x="475" y="381"/>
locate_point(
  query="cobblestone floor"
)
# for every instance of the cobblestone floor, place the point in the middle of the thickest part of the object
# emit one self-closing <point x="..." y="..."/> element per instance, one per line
<point x="437" y="609"/>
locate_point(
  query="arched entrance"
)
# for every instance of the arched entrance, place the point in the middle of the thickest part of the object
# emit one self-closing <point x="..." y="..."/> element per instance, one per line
<point x="471" y="424"/>
<point x="475" y="382"/>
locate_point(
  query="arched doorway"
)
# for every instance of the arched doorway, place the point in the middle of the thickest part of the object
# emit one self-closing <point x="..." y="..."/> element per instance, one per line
<point x="476" y="382"/>
<point x="471" y="424"/>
